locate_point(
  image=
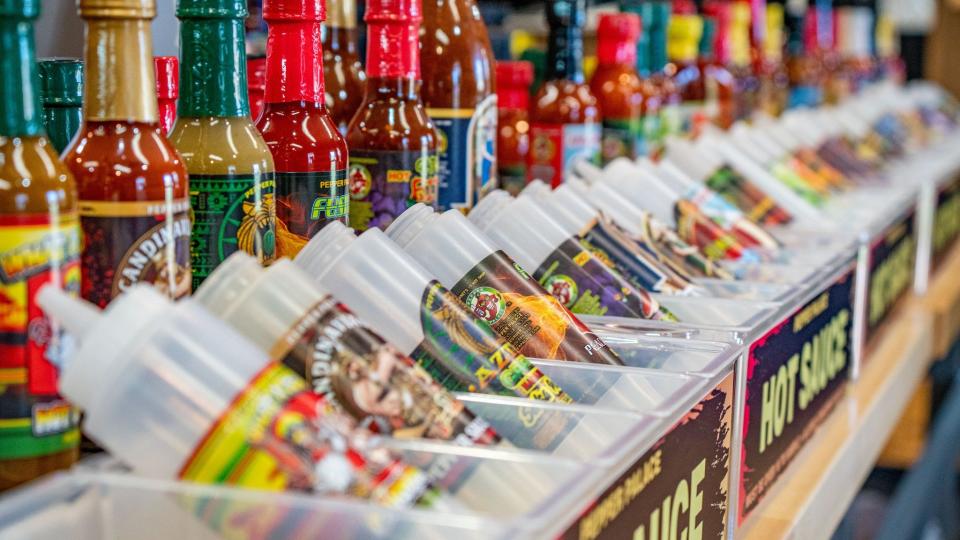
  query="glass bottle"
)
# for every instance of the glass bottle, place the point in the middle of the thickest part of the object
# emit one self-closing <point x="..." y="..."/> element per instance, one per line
<point x="230" y="167"/>
<point x="683" y="44"/>
<point x="458" y="91"/>
<point x="803" y="74"/>
<point x="661" y="71"/>
<point x="651" y="103"/>
<point x="719" y="102"/>
<point x="39" y="243"/>
<point x="746" y="83"/>
<point x="393" y="143"/>
<point x="134" y="200"/>
<point x="61" y="82"/>
<point x="309" y="152"/>
<point x="617" y="87"/>
<point x="564" y="119"/>
<point x="344" y="76"/>
<point x="256" y="81"/>
<point x="513" y="123"/>
<point x="774" y="84"/>
<point x="168" y="90"/>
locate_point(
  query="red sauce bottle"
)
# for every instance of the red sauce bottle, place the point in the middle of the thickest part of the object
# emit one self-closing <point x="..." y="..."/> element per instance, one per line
<point x="565" y="120"/>
<point x="341" y="62"/>
<point x="720" y="103"/>
<point x="684" y="32"/>
<point x="309" y="153"/>
<point x="168" y="90"/>
<point x="513" y="125"/>
<point x="132" y="183"/>
<point x="393" y="143"/>
<point x="618" y="87"/>
<point x="256" y="81"/>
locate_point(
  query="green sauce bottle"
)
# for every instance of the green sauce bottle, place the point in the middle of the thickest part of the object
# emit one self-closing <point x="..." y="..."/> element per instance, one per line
<point x="61" y="81"/>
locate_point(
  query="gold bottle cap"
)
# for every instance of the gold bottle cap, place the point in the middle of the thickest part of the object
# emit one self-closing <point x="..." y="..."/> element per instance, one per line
<point x="117" y="9"/>
<point x="342" y="13"/>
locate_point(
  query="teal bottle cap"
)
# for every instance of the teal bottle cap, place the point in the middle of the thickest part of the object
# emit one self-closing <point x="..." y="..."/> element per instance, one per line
<point x="212" y="9"/>
<point x="20" y="9"/>
<point x="61" y="81"/>
<point x="707" y="37"/>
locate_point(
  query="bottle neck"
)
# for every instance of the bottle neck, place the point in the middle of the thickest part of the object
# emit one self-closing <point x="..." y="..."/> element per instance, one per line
<point x="215" y="81"/>
<point x="119" y="79"/>
<point x="294" y="62"/>
<point x="513" y="97"/>
<point x="565" y="54"/>
<point x="616" y="52"/>
<point x="393" y="50"/>
<point x="20" y="113"/>
<point x="341" y="41"/>
<point x="400" y="88"/>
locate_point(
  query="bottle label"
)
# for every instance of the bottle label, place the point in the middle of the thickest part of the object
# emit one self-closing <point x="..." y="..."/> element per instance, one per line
<point x="622" y="137"/>
<point x="671" y="120"/>
<point x="512" y="177"/>
<point x="784" y="172"/>
<point x="467" y="153"/>
<point x="384" y="183"/>
<point x="712" y="205"/>
<point x="127" y="243"/>
<point x="358" y="374"/>
<point x="306" y="202"/>
<point x="695" y="228"/>
<point x="633" y="259"/>
<point x="34" y="251"/>
<point x="465" y="355"/>
<point x="555" y="148"/>
<point x="747" y="197"/>
<point x="670" y="249"/>
<point x="499" y="292"/>
<point x="231" y="213"/>
<point x="586" y="287"/>
<point x="276" y="435"/>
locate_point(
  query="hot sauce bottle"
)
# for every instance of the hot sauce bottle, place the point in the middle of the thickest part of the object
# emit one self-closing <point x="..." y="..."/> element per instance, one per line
<point x="651" y="98"/>
<point x="618" y="87"/>
<point x="309" y="152"/>
<point x="231" y="171"/>
<point x="513" y="123"/>
<point x="39" y="244"/>
<point x="720" y="103"/>
<point x="134" y="205"/>
<point x="256" y="81"/>
<point x="168" y="90"/>
<point x="61" y="80"/>
<point x="747" y="85"/>
<point x="803" y="73"/>
<point x="774" y="82"/>
<point x="344" y="76"/>
<point x="458" y="90"/>
<point x="670" y="120"/>
<point x="393" y="143"/>
<point x="564" y="119"/>
<point x="684" y="32"/>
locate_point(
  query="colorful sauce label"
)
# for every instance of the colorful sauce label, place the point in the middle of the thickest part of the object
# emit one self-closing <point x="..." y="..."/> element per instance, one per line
<point x="670" y="249"/>
<point x="747" y="197"/>
<point x="34" y="251"/>
<point x="384" y="183"/>
<point x="359" y="374"/>
<point x="131" y="242"/>
<point x="499" y="292"/>
<point x="467" y="153"/>
<point x="276" y="435"/>
<point x="231" y="213"/>
<point x="695" y="228"/>
<point x="465" y="355"/>
<point x="627" y="255"/>
<point x="622" y="137"/>
<point x="555" y="148"/>
<point x="585" y="286"/>
<point x="306" y="202"/>
<point x="782" y="171"/>
<point x="729" y="217"/>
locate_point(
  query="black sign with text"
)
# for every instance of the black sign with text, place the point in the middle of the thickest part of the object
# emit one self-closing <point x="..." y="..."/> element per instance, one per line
<point x="893" y="262"/>
<point x="794" y="374"/>
<point x="946" y="221"/>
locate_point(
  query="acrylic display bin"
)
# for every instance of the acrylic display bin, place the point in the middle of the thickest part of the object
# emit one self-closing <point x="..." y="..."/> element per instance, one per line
<point x="636" y="436"/>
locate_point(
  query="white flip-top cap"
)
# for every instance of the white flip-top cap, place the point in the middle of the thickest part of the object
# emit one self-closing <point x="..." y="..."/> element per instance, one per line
<point x="643" y="189"/>
<point x="376" y="279"/>
<point x="536" y="189"/>
<point x="586" y="171"/>
<point x="525" y="231"/>
<point x="261" y="304"/>
<point x="743" y="140"/>
<point x="683" y="155"/>
<point x="490" y="207"/>
<point x="106" y="339"/>
<point x="617" y="207"/>
<point x="408" y="225"/>
<point x="571" y="208"/>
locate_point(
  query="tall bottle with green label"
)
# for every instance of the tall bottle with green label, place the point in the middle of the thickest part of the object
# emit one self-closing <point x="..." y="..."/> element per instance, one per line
<point x="231" y="169"/>
<point x="458" y="90"/>
<point x="39" y="244"/>
<point x="61" y="80"/>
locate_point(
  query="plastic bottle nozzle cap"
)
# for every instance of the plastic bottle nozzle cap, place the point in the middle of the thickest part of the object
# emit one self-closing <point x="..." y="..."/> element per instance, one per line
<point x="324" y="250"/>
<point x="536" y="189"/>
<point x="77" y="316"/>
<point x="489" y="207"/>
<point x="408" y="225"/>
<point x="229" y="283"/>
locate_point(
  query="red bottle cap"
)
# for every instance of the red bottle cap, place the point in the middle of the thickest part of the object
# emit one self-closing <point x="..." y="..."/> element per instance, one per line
<point x="721" y="14"/>
<point x="511" y="73"/>
<point x="294" y="10"/>
<point x="617" y="35"/>
<point x="393" y="42"/>
<point x="168" y="77"/>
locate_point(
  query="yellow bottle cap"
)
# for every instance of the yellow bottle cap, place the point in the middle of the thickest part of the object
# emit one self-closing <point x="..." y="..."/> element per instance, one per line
<point x="117" y="9"/>
<point x="683" y="37"/>
<point x="773" y="45"/>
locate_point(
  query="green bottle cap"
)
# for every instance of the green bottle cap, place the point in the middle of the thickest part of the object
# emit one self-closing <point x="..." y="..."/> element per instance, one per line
<point x="212" y="9"/>
<point x="20" y="9"/>
<point x="706" y="39"/>
<point x="61" y="81"/>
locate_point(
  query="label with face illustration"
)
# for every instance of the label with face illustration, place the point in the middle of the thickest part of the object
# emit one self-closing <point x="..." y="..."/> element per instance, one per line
<point x="384" y="183"/>
<point x="126" y="243"/>
<point x="585" y="286"/>
<point x="499" y="292"/>
<point x="278" y="435"/>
